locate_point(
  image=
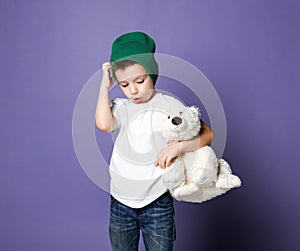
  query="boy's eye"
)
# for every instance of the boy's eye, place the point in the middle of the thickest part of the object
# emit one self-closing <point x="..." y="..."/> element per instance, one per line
<point x="141" y="81"/>
<point x="124" y="85"/>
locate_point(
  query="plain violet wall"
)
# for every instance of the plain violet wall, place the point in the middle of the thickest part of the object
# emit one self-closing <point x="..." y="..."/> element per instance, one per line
<point x="249" y="50"/>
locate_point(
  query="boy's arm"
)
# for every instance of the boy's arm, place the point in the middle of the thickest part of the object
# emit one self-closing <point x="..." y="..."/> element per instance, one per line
<point x="105" y="120"/>
<point x="169" y="153"/>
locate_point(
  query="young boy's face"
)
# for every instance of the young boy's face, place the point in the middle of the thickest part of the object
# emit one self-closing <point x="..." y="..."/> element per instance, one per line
<point x="135" y="83"/>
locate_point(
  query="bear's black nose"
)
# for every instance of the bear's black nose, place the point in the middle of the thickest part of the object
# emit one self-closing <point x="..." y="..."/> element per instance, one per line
<point x="176" y="121"/>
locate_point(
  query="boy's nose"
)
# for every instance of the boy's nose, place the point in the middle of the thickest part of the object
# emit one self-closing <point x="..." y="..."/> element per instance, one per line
<point x="133" y="89"/>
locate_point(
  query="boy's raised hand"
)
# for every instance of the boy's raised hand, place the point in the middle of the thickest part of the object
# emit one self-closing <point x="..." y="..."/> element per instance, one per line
<point x="107" y="81"/>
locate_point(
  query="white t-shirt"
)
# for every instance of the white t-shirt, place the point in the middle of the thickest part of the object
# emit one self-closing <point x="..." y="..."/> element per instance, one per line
<point x="135" y="181"/>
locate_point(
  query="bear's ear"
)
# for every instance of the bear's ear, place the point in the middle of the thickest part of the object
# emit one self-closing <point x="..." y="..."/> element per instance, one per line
<point x="195" y="109"/>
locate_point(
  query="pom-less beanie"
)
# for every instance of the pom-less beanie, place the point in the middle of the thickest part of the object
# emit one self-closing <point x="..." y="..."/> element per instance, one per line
<point x="138" y="47"/>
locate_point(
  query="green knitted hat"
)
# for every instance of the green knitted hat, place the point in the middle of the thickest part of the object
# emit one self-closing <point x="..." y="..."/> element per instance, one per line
<point x="138" y="47"/>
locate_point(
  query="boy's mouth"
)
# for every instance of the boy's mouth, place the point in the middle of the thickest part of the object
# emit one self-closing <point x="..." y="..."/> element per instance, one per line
<point x="137" y="100"/>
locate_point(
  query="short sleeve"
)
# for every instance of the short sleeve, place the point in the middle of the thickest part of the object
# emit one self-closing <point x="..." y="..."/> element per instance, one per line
<point x="118" y="110"/>
<point x="175" y="102"/>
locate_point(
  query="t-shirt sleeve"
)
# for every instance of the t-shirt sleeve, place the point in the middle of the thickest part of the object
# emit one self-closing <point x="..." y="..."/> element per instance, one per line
<point x="118" y="107"/>
<point x="175" y="102"/>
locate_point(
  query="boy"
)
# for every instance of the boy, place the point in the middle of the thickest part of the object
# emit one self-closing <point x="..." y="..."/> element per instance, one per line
<point x="139" y="201"/>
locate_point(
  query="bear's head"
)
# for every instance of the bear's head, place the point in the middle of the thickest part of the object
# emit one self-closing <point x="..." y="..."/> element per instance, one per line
<point x="181" y="124"/>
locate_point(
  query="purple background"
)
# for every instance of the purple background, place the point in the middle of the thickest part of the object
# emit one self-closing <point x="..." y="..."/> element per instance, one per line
<point x="249" y="50"/>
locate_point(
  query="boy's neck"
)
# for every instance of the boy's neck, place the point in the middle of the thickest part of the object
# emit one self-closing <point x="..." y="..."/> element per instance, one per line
<point x="153" y="94"/>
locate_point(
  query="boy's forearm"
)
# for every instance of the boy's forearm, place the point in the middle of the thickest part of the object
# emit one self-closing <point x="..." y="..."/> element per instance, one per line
<point x="206" y="135"/>
<point x="103" y="115"/>
<point x="205" y="138"/>
<point x="105" y="120"/>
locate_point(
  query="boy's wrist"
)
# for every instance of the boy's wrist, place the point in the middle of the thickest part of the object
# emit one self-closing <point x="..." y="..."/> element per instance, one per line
<point x="180" y="146"/>
<point x="104" y="87"/>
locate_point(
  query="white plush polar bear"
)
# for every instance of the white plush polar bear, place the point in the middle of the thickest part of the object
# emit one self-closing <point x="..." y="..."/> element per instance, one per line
<point x="194" y="176"/>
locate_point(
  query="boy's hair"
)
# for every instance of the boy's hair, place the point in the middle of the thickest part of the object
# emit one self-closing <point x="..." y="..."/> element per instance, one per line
<point x="122" y="64"/>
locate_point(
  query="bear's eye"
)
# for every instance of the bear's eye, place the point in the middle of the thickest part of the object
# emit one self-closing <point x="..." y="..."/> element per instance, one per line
<point x="180" y="113"/>
<point x="169" y="117"/>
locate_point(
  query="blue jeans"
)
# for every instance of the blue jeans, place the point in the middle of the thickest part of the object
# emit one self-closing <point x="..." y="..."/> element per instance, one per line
<point x="156" y="222"/>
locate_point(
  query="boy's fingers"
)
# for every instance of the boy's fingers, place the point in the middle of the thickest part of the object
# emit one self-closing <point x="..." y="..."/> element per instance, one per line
<point x="168" y="162"/>
<point x="171" y="161"/>
<point x="164" y="164"/>
<point x="159" y="163"/>
<point x="106" y="65"/>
